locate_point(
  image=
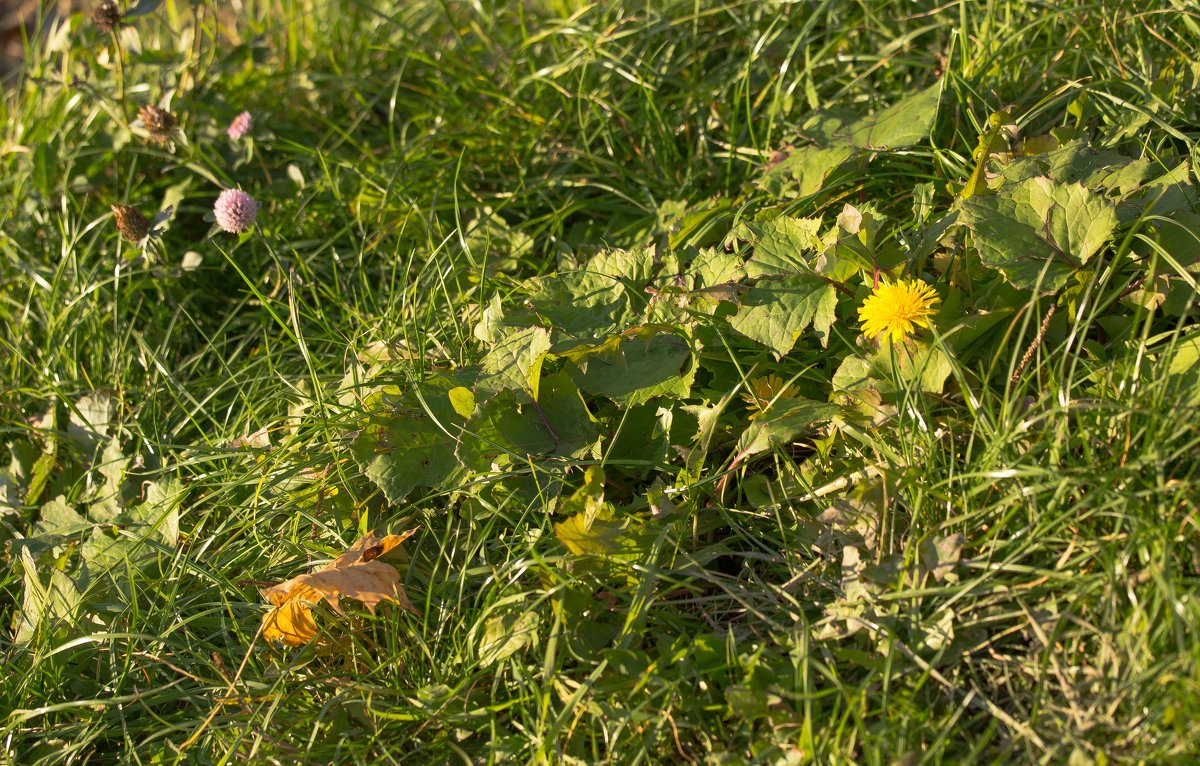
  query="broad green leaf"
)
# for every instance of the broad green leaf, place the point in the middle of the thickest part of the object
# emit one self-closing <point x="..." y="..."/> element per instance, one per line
<point x="1170" y="193"/>
<point x="915" y="362"/>
<point x="59" y="519"/>
<point x="1185" y="356"/>
<point x="582" y="304"/>
<point x="57" y="524"/>
<point x="110" y="553"/>
<point x="462" y="399"/>
<point x="708" y="420"/>
<point x="780" y="245"/>
<point x="9" y="500"/>
<point x="602" y="537"/>
<point x="492" y="315"/>
<point x="634" y="267"/>
<point x="775" y="312"/>
<point x="88" y="421"/>
<point x="803" y="171"/>
<point x="713" y="267"/>
<point x="506" y="635"/>
<point x="1182" y="360"/>
<point x="488" y="232"/>
<point x="751" y="704"/>
<point x="506" y="429"/>
<point x="1178" y="239"/>
<point x="44" y="465"/>
<point x="407" y="445"/>
<point x="965" y="334"/>
<point x="537" y="489"/>
<point x="1079" y="221"/>
<point x="852" y="374"/>
<point x="594" y="300"/>
<point x="1119" y="179"/>
<point x="940" y="556"/>
<point x="22" y="457"/>
<point x="115" y="492"/>
<point x="113" y="464"/>
<point x="159" y="515"/>
<point x="783" y="422"/>
<point x="514" y="363"/>
<point x="642" y="436"/>
<point x="55" y="603"/>
<point x="574" y="430"/>
<point x="1079" y="162"/>
<point x="642" y="367"/>
<point x="587" y="501"/>
<point x="901" y="124"/>
<point x="853" y="244"/>
<point x="1037" y="232"/>
<point x="922" y="201"/>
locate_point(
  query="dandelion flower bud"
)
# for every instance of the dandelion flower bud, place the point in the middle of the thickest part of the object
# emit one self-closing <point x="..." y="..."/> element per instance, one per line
<point x="132" y="224"/>
<point x="240" y="126"/>
<point x="235" y="210"/>
<point x="159" y="122"/>
<point x="105" y="16"/>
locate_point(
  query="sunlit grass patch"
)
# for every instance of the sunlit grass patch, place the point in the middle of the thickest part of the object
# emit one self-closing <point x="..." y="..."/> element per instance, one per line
<point x="789" y="384"/>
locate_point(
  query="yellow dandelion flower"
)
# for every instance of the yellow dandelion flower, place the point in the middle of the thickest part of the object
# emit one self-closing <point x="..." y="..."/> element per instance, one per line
<point x="897" y="309"/>
<point x="765" y="388"/>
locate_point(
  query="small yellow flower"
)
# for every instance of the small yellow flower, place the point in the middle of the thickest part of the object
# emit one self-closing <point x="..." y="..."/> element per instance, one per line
<point x="764" y="389"/>
<point x="896" y="309"/>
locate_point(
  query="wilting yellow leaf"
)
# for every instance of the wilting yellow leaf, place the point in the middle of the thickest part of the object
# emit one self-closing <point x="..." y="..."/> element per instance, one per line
<point x="355" y="574"/>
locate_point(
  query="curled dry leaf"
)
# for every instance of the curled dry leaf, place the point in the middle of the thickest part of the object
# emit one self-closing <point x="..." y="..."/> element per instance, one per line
<point x="355" y="574"/>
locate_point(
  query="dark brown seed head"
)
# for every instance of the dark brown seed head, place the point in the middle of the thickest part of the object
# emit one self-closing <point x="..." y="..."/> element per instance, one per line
<point x="130" y="222"/>
<point x="158" y="121"/>
<point x="105" y="16"/>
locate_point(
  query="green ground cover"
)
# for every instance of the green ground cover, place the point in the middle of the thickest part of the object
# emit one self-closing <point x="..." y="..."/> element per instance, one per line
<point x="575" y="294"/>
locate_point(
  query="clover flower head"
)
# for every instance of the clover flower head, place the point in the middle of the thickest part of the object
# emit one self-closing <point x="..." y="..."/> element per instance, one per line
<point x="897" y="309"/>
<point x="240" y="126"/>
<point x="235" y="210"/>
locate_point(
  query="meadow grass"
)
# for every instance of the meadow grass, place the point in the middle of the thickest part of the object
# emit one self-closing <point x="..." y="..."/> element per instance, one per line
<point x="420" y="162"/>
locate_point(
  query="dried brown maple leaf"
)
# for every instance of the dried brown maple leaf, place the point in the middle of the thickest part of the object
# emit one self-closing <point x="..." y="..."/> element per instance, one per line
<point x="355" y="574"/>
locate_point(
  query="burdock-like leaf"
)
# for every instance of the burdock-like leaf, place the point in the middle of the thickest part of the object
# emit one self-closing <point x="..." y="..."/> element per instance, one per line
<point x="355" y="574"/>
<point x="506" y="635"/>
<point x="803" y="170"/>
<point x="514" y="362"/>
<point x="780" y="245"/>
<point x="901" y="124"/>
<point x="786" y="420"/>
<point x="558" y="423"/>
<point x="1039" y="232"/>
<point x="775" y="312"/>
<point x="940" y="556"/>
<point x="601" y="537"/>
<point x="632" y="371"/>
<point x="411" y="443"/>
<point x="56" y="603"/>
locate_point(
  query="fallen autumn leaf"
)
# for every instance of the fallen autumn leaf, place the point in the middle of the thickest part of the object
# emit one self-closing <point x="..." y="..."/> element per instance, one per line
<point x="355" y="574"/>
